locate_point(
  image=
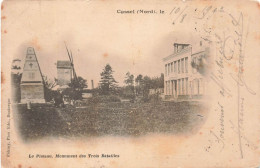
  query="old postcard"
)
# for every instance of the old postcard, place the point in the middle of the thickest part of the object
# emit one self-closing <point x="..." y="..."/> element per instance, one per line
<point x="105" y="83"/>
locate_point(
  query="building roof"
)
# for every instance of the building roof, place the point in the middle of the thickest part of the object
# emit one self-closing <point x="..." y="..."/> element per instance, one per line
<point x="63" y="64"/>
<point x="188" y="49"/>
<point x="181" y="44"/>
<point x="195" y="48"/>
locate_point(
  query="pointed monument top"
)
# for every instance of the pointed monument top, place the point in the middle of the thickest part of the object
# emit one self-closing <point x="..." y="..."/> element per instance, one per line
<point x="31" y="70"/>
<point x="30" y="50"/>
<point x="30" y="55"/>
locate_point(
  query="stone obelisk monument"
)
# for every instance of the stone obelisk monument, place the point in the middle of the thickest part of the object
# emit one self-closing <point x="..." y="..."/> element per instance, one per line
<point x="32" y="87"/>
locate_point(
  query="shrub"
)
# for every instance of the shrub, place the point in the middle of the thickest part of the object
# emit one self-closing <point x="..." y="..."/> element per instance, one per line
<point x="104" y="99"/>
<point x="155" y="98"/>
<point x="152" y="98"/>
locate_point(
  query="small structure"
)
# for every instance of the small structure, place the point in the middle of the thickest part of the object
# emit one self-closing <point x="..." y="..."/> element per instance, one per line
<point x="32" y="87"/>
<point x="156" y="91"/>
<point x="64" y="70"/>
<point x="16" y="74"/>
<point x="87" y="93"/>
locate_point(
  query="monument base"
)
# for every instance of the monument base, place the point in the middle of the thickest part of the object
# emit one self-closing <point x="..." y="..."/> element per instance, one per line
<point x="33" y="100"/>
<point x="32" y="92"/>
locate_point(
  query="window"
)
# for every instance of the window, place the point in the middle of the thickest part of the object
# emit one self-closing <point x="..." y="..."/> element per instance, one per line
<point x="198" y="86"/>
<point x="172" y="67"/>
<point x="201" y="86"/>
<point x="166" y="70"/>
<point x="178" y="66"/>
<point x="194" y="70"/>
<point x="169" y="69"/>
<point x="186" y="64"/>
<point x="175" y="67"/>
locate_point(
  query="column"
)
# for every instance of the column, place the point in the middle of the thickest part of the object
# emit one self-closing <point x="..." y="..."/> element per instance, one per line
<point x="177" y="81"/>
<point x="165" y="87"/>
<point x="174" y="92"/>
<point x="169" y="83"/>
<point x="172" y="88"/>
<point x="184" y="86"/>
<point x="190" y="88"/>
<point x="168" y="88"/>
<point x="187" y="86"/>
<point x="181" y="89"/>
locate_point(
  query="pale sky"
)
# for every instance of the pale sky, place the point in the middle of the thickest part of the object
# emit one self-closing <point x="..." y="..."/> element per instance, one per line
<point x="96" y="36"/>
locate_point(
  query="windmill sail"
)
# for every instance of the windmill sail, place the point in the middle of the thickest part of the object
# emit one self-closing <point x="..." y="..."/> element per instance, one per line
<point x="72" y="64"/>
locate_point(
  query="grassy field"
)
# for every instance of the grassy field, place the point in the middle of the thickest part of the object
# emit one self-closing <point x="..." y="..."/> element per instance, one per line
<point x="98" y="119"/>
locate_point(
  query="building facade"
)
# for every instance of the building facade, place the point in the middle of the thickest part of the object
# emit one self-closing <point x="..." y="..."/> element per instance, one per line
<point x="32" y="87"/>
<point x="64" y="72"/>
<point x="182" y="77"/>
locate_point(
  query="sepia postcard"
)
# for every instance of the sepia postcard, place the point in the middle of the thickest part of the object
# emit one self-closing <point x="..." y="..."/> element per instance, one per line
<point x="135" y="83"/>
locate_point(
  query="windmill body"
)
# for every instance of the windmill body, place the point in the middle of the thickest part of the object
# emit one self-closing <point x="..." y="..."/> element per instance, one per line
<point x="64" y="72"/>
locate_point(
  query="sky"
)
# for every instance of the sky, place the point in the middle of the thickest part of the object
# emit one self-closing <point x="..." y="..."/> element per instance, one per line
<point x="96" y="35"/>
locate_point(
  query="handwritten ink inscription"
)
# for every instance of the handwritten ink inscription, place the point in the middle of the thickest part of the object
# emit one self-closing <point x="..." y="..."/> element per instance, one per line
<point x="228" y="32"/>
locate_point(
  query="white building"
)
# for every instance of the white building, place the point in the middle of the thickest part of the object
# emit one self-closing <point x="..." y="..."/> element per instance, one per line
<point x="183" y="72"/>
